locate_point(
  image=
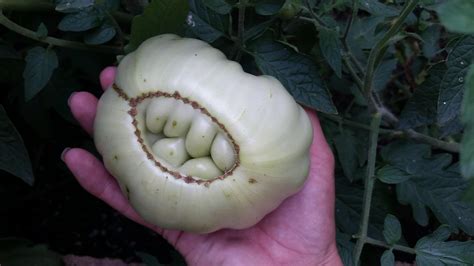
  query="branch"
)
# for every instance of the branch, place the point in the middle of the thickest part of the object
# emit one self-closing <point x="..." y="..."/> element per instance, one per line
<point x="240" y="42"/>
<point x="241" y="22"/>
<point x="410" y="133"/>
<point x="355" y="9"/>
<point x="379" y="243"/>
<point x="347" y="61"/>
<point x="378" y="49"/>
<point x="369" y="185"/>
<point x="55" y="41"/>
<point x="347" y="55"/>
<point x="443" y="145"/>
<point x="318" y="22"/>
<point x="347" y="122"/>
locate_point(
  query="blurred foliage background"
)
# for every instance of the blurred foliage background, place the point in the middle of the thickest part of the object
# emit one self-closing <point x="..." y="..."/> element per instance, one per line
<point x="391" y="80"/>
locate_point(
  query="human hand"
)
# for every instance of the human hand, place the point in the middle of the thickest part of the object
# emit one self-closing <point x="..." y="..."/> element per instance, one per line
<point x="301" y="231"/>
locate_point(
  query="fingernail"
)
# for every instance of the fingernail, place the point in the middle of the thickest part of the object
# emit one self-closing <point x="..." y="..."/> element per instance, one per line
<point x="63" y="154"/>
<point x="70" y="97"/>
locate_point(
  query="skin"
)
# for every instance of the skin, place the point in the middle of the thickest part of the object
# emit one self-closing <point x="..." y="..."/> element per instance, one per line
<point x="299" y="232"/>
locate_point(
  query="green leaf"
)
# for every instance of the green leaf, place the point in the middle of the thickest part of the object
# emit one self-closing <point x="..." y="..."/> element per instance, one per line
<point x="345" y="248"/>
<point x="431" y="4"/>
<point x="16" y="252"/>
<point x="40" y="65"/>
<point x="432" y="184"/>
<point x="268" y="7"/>
<point x="383" y="73"/>
<point x="467" y="145"/>
<point x="108" y="5"/>
<point x="148" y="259"/>
<point x="433" y="250"/>
<point x="347" y="152"/>
<point x="405" y="155"/>
<point x="296" y="72"/>
<point x="456" y="15"/>
<point x="469" y="193"/>
<point x="159" y="17"/>
<point x="387" y="259"/>
<point x="431" y="41"/>
<point x="205" y="23"/>
<point x="451" y="127"/>
<point x="331" y="48"/>
<point x="392" y="229"/>
<point x="219" y="6"/>
<point x="452" y="85"/>
<point x="13" y="155"/>
<point x="363" y="34"/>
<point x="42" y="31"/>
<point x="349" y="208"/>
<point x="81" y="21"/>
<point x="376" y="8"/>
<point x="67" y="6"/>
<point x="392" y="175"/>
<point x="257" y="30"/>
<point x="101" y="35"/>
<point x="421" y="108"/>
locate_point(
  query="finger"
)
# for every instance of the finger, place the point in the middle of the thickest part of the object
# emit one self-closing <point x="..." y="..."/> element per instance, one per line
<point x="312" y="208"/>
<point x="83" y="106"/>
<point x="94" y="178"/>
<point x="107" y="77"/>
<point x="320" y="148"/>
<point x="320" y="184"/>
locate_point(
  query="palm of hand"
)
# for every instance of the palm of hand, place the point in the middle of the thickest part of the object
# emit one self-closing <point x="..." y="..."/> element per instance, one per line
<point x="300" y="232"/>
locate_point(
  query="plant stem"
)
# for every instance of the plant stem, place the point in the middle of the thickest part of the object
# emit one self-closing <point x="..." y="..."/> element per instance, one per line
<point x="447" y="146"/>
<point x="348" y="57"/>
<point x="308" y="19"/>
<point x="344" y="121"/>
<point x="378" y="49"/>
<point x="55" y="41"/>
<point x="241" y="22"/>
<point x="240" y="42"/>
<point x="410" y="133"/>
<point x="355" y="9"/>
<point x="379" y="243"/>
<point x="318" y="22"/>
<point x="369" y="185"/>
<point x="350" y="67"/>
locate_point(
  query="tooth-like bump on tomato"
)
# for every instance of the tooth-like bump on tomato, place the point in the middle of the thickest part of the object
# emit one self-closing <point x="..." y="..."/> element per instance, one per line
<point x="179" y="120"/>
<point x="151" y="138"/>
<point x="157" y="113"/>
<point x="200" y="136"/>
<point x="222" y="153"/>
<point x="202" y="167"/>
<point x="172" y="150"/>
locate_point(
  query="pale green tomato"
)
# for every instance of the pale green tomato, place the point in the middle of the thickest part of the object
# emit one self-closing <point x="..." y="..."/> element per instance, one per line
<point x="197" y="144"/>
<point x="290" y="8"/>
